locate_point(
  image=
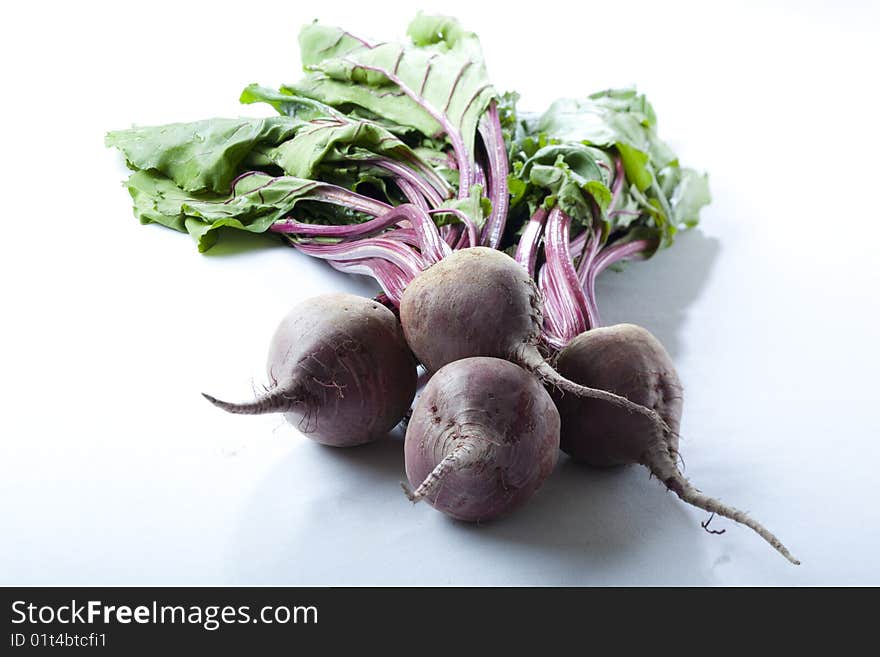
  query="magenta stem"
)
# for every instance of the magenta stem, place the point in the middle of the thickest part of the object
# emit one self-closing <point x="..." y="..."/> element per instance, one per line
<point x="600" y="262"/>
<point x="576" y="248"/>
<point x="617" y="252"/>
<point x="294" y="227"/>
<point x="353" y="200"/>
<point x="465" y="170"/>
<point x="465" y="239"/>
<point x="527" y="248"/>
<point x="587" y="278"/>
<point x="411" y="194"/>
<point x="465" y="219"/>
<point x="590" y="249"/>
<point x="479" y="175"/>
<point x="405" y="235"/>
<point x="433" y="248"/>
<point x="552" y="329"/>
<point x="493" y="139"/>
<point x="317" y="191"/>
<point x="372" y="247"/>
<point x="390" y="279"/>
<point x="427" y="190"/>
<point x="570" y="308"/>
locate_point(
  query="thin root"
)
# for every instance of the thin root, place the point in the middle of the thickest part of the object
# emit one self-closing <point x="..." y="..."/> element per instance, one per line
<point x="680" y="458"/>
<point x="661" y="463"/>
<point x="531" y="360"/>
<point x="409" y="493"/>
<point x="462" y="456"/>
<point x="705" y="525"/>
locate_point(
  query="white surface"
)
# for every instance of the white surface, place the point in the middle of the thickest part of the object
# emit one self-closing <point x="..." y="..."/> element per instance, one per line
<point x="114" y="470"/>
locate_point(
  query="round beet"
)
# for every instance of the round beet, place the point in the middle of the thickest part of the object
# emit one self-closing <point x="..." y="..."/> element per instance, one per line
<point x="628" y="360"/>
<point x="484" y="435"/>
<point x="339" y="369"/>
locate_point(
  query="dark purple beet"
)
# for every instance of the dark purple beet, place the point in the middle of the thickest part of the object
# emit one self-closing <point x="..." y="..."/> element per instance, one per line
<point x="339" y="369"/>
<point x="628" y="360"/>
<point x="484" y="435"/>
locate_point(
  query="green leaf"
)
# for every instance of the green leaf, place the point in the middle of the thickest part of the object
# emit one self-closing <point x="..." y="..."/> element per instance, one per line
<point x="635" y="163"/>
<point x="326" y="134"/>
<point x="359" y="177"/>
<point x="621" y="118"/>
<point x="476" y="206"/>
<point x="208" y="155"/>
<point x="158" y="200"/>
<point x="203" y="155"/>
<point x="441" y="75"/>
<point x="691" y="194"/>
<point x="257" y="201"/>
<point x="286" y="103"/>
<point x="301" y="155"/>
<point x="571" y="174"/>
<point x="517" y="188"/>
<point x="657" y="195"/>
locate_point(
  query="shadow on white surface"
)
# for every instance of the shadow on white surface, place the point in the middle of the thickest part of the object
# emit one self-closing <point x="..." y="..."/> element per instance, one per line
<point x="594" y="523"/>
<point x="585" y="526"/>
<point x="657" y="293"/>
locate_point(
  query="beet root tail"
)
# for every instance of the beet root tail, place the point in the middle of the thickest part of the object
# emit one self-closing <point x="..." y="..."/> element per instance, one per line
<point x="662" y="465"/>
<point x="277" y="401"/>
<point x="531" y="359"/>
<point x="461" y="456"/>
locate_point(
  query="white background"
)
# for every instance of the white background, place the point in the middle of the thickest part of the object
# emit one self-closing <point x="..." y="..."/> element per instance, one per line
<point x="114" y="470"/>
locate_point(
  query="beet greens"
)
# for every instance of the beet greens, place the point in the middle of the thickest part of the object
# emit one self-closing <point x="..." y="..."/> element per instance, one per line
<point x="596" y="184"/>
<point x="384" y="158"/>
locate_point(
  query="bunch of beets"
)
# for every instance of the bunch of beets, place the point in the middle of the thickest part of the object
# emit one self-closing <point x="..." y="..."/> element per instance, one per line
<point x="485" y="228"/>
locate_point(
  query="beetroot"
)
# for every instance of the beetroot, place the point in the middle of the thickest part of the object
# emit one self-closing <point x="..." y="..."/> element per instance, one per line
<point x="628" y="360"/>
<point x="339" y="369"/>
<point x="484" y="435"/>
